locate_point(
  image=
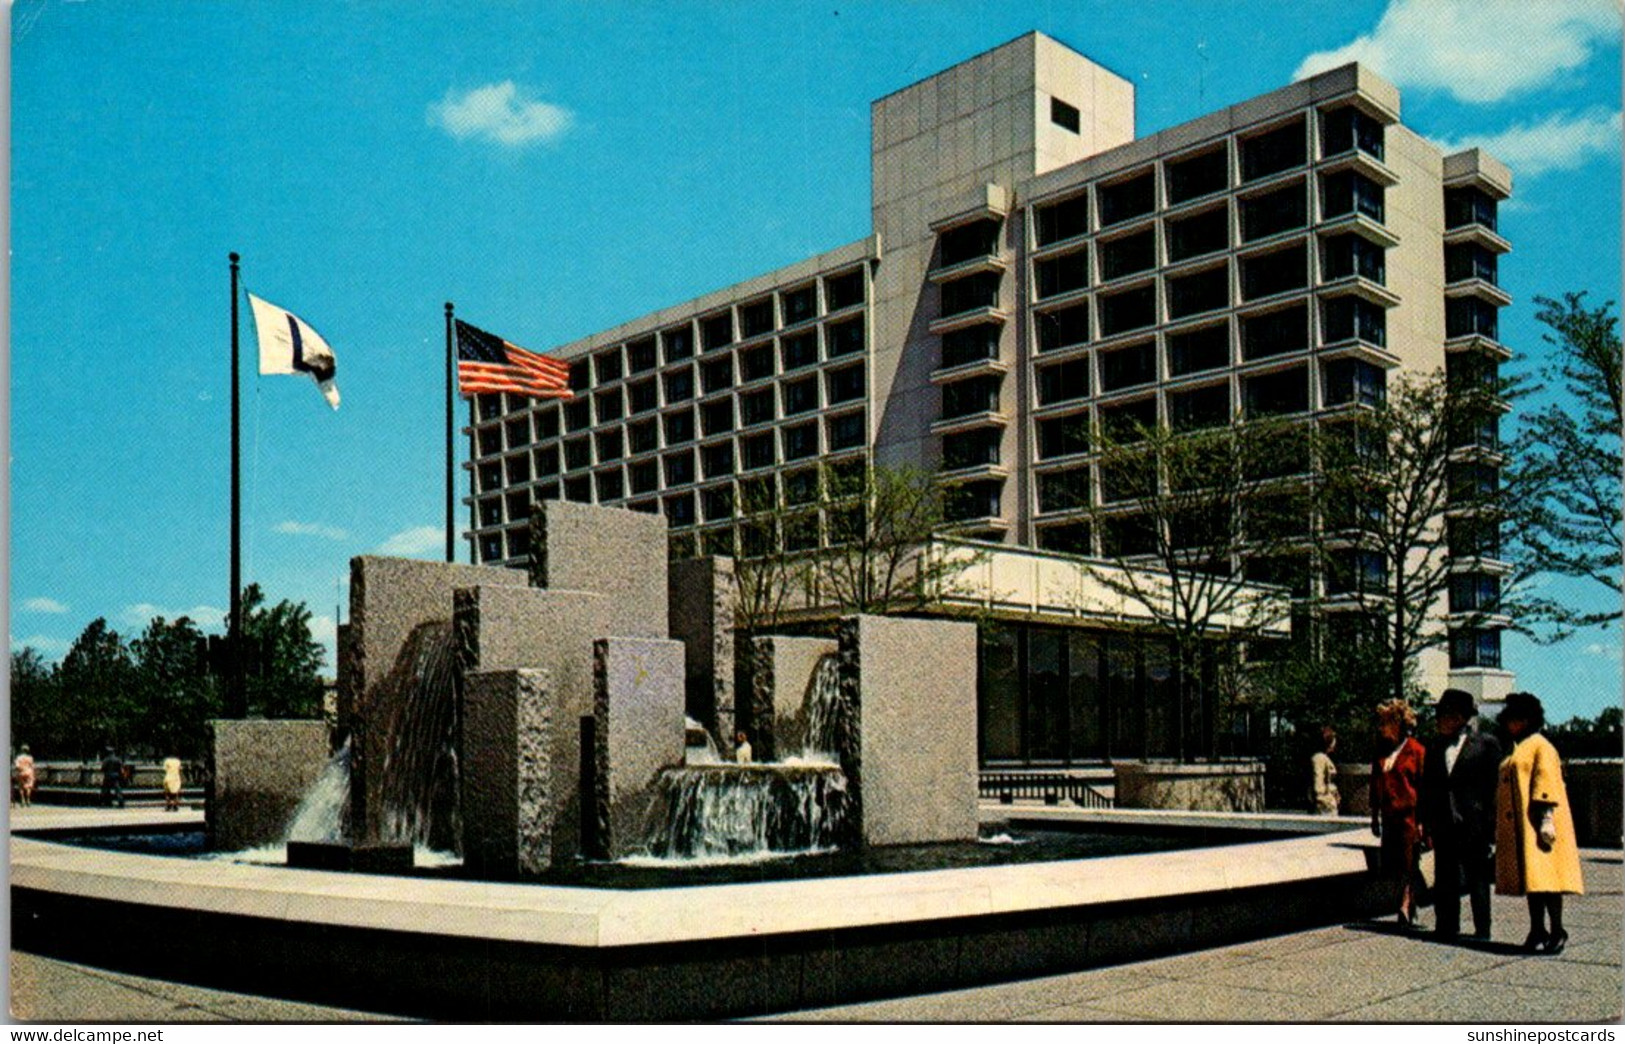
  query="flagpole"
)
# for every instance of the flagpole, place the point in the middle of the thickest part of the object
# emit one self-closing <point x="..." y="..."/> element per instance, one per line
<point x="236" y="701"/>
<point x="451" y="368"/>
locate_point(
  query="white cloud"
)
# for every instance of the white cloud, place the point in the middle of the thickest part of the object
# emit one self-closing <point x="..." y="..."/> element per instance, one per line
<point x="1608" y="651"/>
<point x="44" y="605"/>
<point x="1477" y="50"/>
<point x="414" y="541"/>
<point x="500" y="113"/>
<point x="310" y="529"/>
<point x="141" y="613"/>
<point x="1561" y="141"/>
<point x="43" y="643"/>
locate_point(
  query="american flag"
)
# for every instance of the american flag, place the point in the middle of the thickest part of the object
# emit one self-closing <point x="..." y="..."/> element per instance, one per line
<point x="486" y="363"/>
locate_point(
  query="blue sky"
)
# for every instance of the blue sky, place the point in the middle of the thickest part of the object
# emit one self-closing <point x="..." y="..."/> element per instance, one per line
<point x="557" y="168"/>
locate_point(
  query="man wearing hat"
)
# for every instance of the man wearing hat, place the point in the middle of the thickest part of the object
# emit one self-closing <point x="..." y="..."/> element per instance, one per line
<point x="1459" y="777"/>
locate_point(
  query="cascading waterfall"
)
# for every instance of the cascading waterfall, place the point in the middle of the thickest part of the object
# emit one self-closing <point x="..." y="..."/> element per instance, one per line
<point x="822" y="712"/>
<point x="324" y="814"/>
<point x="419" y="773"/>
<point x="418" y="785"/>
<point x="719" y="812"/>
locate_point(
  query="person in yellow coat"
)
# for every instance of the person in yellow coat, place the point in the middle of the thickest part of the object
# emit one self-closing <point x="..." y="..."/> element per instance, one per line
<point x="1535" y="850"/>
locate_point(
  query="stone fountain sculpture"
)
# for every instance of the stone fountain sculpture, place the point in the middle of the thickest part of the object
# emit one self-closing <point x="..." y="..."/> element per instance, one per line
<point x="528" y="717"/>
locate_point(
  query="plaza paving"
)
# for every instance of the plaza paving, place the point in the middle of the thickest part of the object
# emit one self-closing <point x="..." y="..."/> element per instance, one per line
<point x="1348" y="973"/>
<point x="1358" y="972"/>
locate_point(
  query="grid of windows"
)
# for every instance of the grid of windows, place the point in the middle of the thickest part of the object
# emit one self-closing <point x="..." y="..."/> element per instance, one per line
<point x="631" y="431"/>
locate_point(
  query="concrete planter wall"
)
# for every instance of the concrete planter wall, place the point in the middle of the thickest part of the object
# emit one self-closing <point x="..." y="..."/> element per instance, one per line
<point x="1230" y="787"/>
<point x="1594" y="788"/>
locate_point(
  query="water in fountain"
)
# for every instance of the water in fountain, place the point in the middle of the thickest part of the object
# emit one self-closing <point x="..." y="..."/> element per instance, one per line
<point x="698" y="747"/>
<point x="821" y="713"/>
<point x="723" y="812"/>
<point x="418" y="785"/>
<point x="324" y="814"/>
<point x="711" y="811"/>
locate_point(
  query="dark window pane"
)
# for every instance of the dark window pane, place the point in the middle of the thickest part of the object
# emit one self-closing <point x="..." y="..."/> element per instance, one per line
<point x="845" y="431"/>
<point x="1274" y="212"/>
<point x="1063" y="382"/>
<point x="1205" y="349"/>
<point x="844" y="290"/>
<point x="1063" y="220"/>
<point x="1061" y="436"/>
<point x="1272" y="394"/>
<point x="1275" y="333"/>
<point x="967" y="242"/>
<point x="969" y="292"/>
<point x="970" y="344"/>
<point x="1198" y="234"/>
<point x="844" y="385"/>
<point x="755" y="318"/>
<point x="1063" y="115"/>
<point x="1126" y="199"/>
<point x="642" y="437"/>
<point x="968" y="449"/>
<point x="1469" y="206"/>
<point x="800" y="396"/>
<point x="844" y="338"/>
<point x="1273" y="152"/>
<point x="1277" y="272"/>
<point x="799" y="305"/>
<point x="756" y="363"/>
<point x="1206" y="407"/>
<point x="1197" y="175"/>
<point x="1130" y="254"/>
<point x="1063" y="490"/>
<point x="717" y="331"/>
<point x="679" y="343"/>
<point x="1128" y="310"/>
<point x="799" y="350"/>
<point x="1063" y="327"/>
<point x="1127" y="367"/>
<point x="679" y="427"/>
<point x="1060" y="275"/>
<point x="1199" y="292"/>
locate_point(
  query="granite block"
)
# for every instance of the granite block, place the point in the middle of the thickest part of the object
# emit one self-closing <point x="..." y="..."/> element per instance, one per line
<point x="700" y="614"/>
<point x="392" y="601"/>
<point x="262" y="770"/>
<point x="614" y="552"/>
<point x="638" y="707"/>
<point x="506" y="752"/>
<point x="910" y="751"/>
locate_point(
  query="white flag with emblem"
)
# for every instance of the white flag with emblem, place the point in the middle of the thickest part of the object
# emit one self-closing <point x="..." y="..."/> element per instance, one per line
<point x="288" y="344"/>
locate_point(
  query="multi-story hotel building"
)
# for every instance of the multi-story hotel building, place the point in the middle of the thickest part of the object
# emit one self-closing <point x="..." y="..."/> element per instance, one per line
<point x="1035" y="269"/>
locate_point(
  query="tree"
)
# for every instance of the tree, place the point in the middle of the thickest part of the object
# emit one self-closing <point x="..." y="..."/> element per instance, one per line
<point x="283" y="660"/>
<point x="1392" y="472"/>
<point x="177" y="693"/>
<point x="880" y="522"/>
<point x="844" y="538"/>
<point x="98" y="698"/>
<point x="1567" y="457"/>
<point x="1178" y="514"/>
<point x="37" y="714"/>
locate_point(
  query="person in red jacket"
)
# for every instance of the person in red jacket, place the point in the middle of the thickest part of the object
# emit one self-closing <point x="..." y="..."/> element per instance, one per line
<point x="1396" y="782"/>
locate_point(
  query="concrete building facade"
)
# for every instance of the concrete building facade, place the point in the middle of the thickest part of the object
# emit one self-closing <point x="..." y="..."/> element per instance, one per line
<point x="1036" y="270"/>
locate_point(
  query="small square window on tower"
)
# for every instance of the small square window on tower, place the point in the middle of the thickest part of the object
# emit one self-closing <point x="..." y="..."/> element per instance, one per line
<point x="1063" y="115"/>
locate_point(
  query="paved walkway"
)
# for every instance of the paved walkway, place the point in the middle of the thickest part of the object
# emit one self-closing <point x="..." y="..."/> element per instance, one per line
<point x="1350" y="973"/>
<point x="52" y="991"/>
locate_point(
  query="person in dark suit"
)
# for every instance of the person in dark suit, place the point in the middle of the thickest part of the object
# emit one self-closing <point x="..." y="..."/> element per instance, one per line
<point x="1459" y="777"/>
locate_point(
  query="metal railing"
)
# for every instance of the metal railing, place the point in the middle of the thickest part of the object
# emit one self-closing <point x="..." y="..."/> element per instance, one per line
<point x="1007" y="787"/>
